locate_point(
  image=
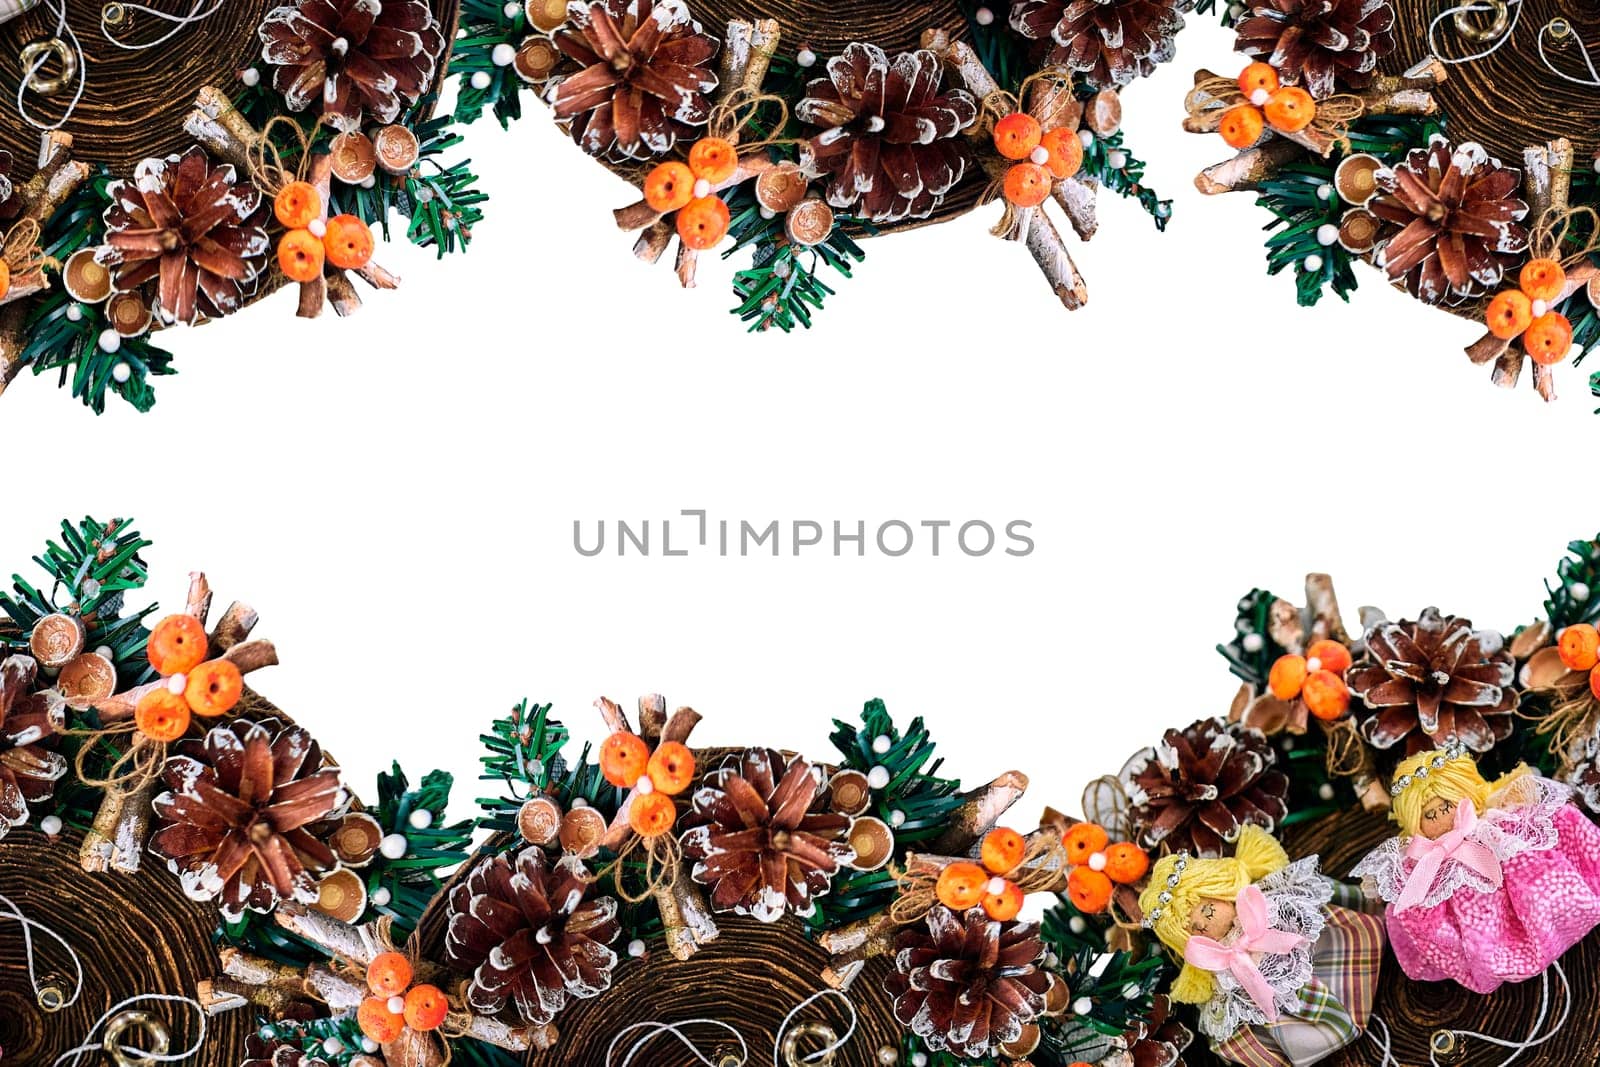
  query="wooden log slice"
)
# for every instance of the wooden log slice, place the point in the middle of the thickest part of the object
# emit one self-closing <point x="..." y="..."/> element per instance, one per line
<point x="1508" y="100"/>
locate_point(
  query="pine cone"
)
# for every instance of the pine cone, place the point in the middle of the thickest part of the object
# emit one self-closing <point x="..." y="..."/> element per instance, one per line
<point x="192" y="228"/>
<point x="10" y="202"/>
<point x="1200" y="786"/>
<point x="1453" y="221"/>
<point x="645" y="79"/>
<point x="966" y="983"/>
<point x="1159" y="1039"/>
<point x="352" y="58"/>
<point x="1432" y="679"/>
<point x="1109" y="42"/>
<point x="260" y="1052"/>
<point x="891" y="141"/>
<point x="526" y="931"/>
<point x="233" y="820"/>
<point x="29" y="722"/>
<point x="766" y="844"/>
<point x="1584" y="776"/>
<point x="1321" y="45"/>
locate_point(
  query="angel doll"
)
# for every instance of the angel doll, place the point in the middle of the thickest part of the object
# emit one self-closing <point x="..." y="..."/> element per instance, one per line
<point x="1487" y="882"/>
<point x="1283" y="975"/>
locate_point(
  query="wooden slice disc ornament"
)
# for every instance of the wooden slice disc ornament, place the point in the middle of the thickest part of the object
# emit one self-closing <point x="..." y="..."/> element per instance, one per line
<point x="85" y="278"/>
<point x="396" y="147"/>
<point x="352" y="157"/>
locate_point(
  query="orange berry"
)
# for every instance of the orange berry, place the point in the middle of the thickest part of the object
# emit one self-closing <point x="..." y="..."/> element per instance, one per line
<point x="300" y="256"/>
<point x="651" y="814"/>
<point x="1241" y="126"/>
<point x="378" y="1022"/>
<point x="1126" y="862"/>
<point x="5" y="278"/>
<point x="1290" y="109"/>
<point x="1330" y="656"/>
<point x="1016" y="135"/>
<point x="1066" y="152"/>
<point x="669" y="186"/>
<point x="1004" y="905"/>
<point x="1508" y="314"/>
<point x="162" y="715"/>
<point x="177" y="645"/>
<point x="1579" y="647"/>
<point x="214" y="687"/>
<point x="1028" y="184"/>
<point x="1542" y="279"/>
<point x="1287" y="677"/>
<point x="1003" y="848"/>
<point x="624" y="759"/>
<point x="297" y="204"/>
<point x="348" y="242"/>
<point x="1083" y="840"/>
<point x="1257" y="76"/>
<point x="703" y="223"/>
<point x="1326" y="695"/>
<point x="1089" y="890"/>
<point x="713" y="159"/>
<point x="389" y="974"/>
<point x="962" y="885"/>
<point x="671" y="767"/>
<point x="426" y="1008"/>
<point x="1548" y="338"/>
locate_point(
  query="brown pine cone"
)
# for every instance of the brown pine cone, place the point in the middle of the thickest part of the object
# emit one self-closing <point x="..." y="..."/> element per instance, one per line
<point x="29" y="723"/>
<point x="967" y="984"/>
<point x="191" y="228"/>
<point x="1584" y="777"/>
<point x="529" y="934"/>
<point x="1321" y="45"/>
<point x="1109" y="42"/>
<point x="646" y="79"/>
<point x="1427" y="681"/>
<point x="765" y="842"/>
<point x="233" y="820"/>
<point x="1453" y="221"/>
<point x="1200" y="786"/>
<point x="352" y="58"/>
<point x="260" y="1052"/>
<point x="1160" y="1038"/>
<point x="891" y="142"/>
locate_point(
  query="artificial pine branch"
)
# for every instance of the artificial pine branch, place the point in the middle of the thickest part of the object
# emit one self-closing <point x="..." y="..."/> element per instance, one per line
<point x="486" y="25"/>
<point x="1124" y="180"/>
<point x="1572" y="598"/>
<point x="1251" y="666"/>
<point x="781" y="287"/>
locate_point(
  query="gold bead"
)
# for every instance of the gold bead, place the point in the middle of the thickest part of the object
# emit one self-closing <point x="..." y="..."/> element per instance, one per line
<point x="793" y="1056"/>
<point x="126" y="1056"/>
<point x="1497" y="26"/>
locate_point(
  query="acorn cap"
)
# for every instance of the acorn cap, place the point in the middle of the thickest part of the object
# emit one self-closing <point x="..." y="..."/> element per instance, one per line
<point x="397" y="148"/>
<point x="873" y="842"/>
<point x="581" y="831"/>
<point x="130" y="316"/>
<point x="352" y="157"/>
<point x="1353" y="179"/>
<point x="87" y="680"/>
<point x="536" y="59"/>
<point x="85" y="280"/>
<point x="1358" y="230"/>
<point x="343" y="895"/>
<point x="355" y="839"/>
<point x="781" y="188"/>
<point x="1057" y="996"/>
<point x="1025" y="1044"/>
<point x="1104" y="113"/>
<point x="849" y="793"/>
<point x="545" y="15"/>
<point x="56" y="640"/>
<point x="539" y="820"/>
<point x="809" y="222"/>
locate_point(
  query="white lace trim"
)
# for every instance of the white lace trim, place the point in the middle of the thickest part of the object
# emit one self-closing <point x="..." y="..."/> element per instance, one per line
<point x="1297" y="897"/>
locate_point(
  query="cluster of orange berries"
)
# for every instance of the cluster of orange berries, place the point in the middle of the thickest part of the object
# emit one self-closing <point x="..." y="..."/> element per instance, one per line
<point x="655" y="778"/>
<point x="1525" y="310"/>
<point x="1043" y="157"/>
<point x="690" y="190"/>
<point x="192" y="684"/>
<point x="395" y="1003"/>
<point x="344" y="240"/>
<point x="1286" y="108"/>
<point x="1579" y="647"/>
<point x="1099" y="866"/>
<point x="965" y="884"/>
<point x="1316" y="678"/>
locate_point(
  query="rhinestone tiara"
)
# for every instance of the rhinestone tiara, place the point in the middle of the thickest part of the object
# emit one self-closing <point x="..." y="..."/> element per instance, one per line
<point x="1154" y="914"/>
<point x="1451" y="749"/>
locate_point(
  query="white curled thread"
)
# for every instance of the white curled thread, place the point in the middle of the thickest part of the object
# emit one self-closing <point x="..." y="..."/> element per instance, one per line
<point x="652" y="1030"/>
<point x="63" y="32"/>
<point x="1519" y="1047"/>
<point x="28" y="926"/>
<point x="1469" y="7"/>
<point x="179" y="23"/>
<point x="1374" y="1025"/>
<point x="1593" y="80"/>
<point x="92" y="1047"/>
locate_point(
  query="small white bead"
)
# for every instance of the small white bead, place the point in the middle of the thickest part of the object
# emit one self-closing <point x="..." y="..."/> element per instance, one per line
<point x="783" y="268"/>
<point x="424" y="195"/>
<point x="397" y="1004"/>
<point x="1253" y="642"/>
<point x="318" y="228"/>
<point x="1313" y="263"/>
<point x="74" y="312"/>
<point x="105" y="650"/>
<point x="1039" y="155"/>
<point x="1327" y="233"/>
<point x="919" y="1059"/>
<point x="636" y="948"/>
<point x="394" y="846"/>
<point x="480" y="79"/>
<point x="110" y="340"/>
<point x="1116" y="159"/>
<point x="644" y="786"/>
<point x="881" y="744"/>
<point x="1325" y="791"/>
<point x="1235" y="10"/>
<point x="897" y="817"/>
<point x="878" y="777"/>
<point x="177" y="683"/>
<point x="983" y="16"/>
<point x="1579" y="591"/>
<point x="121" y="372"/>
<point x="333" y="1046"/>
<point x="250" y="76"/>
<point x="51" y="825"/>
<point x="702" y="189"/>
<point x="1082" y="1006"/>
<point x="368" y="1045"/>
<point x="1313" y="664"/>
<point x="996" y="886"/>
<point x="1540" y="307"/>
<point x="368" y="182"/>
<point x="806" y="57"/>
<point x="421" y="819"/>
<point x="1287" y="743"/>
<point x="768" y="213"/>
<point x="1076" y="924"/>
<point x="888" y="1056"/>
<point x="512" y="10"/>
<point x="1259" y="97"/>
<point x="1097" y="861"/>
<point x="1324" y="191"/>
<point x="380" y="897"/>
<point x="1130" y="991"/>
<point x="579" y="802"/>
<point x="502" y="55"/>
<point x="1086" y="137"/>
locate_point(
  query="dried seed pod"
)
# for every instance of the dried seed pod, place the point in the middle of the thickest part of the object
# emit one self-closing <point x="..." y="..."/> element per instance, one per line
<point x="1358" y="230"/>
<point x="536" y="60"/>
<point x="130" y="316"/>
<point x="872" y="841"/>
<point x="539" y="820"/>
<point x="781" y="188"/>
<point x="342" y="895"/>
<point x="809" y="222"/>
<point x="397" y="148"/>
<point x="352" y="157"/>
<point x="581" y="831"/>
<point x="1103" y="115"/>
<point x="1354" y="180"/>
<point x="545" y="15"/>
<point x="86" y="278"/>
<point x="355" y="839"/>
<point x="87" y="680"/>
<point x="849" y="793"/>
<point x="56" y="640"/>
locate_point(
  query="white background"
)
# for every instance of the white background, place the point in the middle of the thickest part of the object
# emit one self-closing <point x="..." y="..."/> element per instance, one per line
<point x="395" y="492"/>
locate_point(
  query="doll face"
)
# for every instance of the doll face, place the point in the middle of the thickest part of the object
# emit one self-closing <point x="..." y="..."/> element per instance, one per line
<point x="1438" y="818"/>
<point x="1211" y="918"/>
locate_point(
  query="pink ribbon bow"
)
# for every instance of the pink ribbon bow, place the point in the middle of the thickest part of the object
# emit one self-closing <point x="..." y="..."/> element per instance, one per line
<point x="1239" y="958"/>
<point x="1456" y="845"/>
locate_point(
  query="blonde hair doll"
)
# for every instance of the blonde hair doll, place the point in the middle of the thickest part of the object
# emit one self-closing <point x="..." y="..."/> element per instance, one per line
<point x="1488" y="882"/>
<point x="1283" y="976"/>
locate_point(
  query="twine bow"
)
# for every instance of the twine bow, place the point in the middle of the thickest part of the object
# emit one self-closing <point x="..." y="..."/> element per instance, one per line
<point x="1039" y="869"/>
<point x="1555" y="230"/>
<point x="21" y="250"/>
<point x="1047" y="109"/>
<point x="662" y="856"/>
<point x="269" y="170"/>
<point x="138" y="765"/>
<point x="738" y="110"/>
<point x="1457" y="845"/>
<point x="1256" y="937"/>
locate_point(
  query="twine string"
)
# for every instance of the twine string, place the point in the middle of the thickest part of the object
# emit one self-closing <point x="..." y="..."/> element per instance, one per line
<point x="90" y="1047"/>
<point x="1378" y="1031"/>
<point x="14" y="913"/>
<point x="1593" y="80"/>
<point x="649" y="1030"/>
<point x="1040" y="868"/>
<point x="1556" y="227"/>
<point x="662" y="855"/>
<point x="269" y="169"/>
<point x="179" y="23"/>
<point x="21" y="252"/>
<point x="732" y="114"/>
<point x="1531" y="1041"/>
<point x="64" y="34"/>
<point x="1473" y="7"/>
<point x="137" y="766"/>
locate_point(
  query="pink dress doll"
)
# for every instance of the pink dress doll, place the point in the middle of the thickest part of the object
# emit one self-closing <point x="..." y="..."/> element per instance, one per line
<point x="1487" y="883"/>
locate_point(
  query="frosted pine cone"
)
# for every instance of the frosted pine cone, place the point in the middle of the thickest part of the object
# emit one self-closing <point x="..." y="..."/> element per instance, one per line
<point x="29" y="722"/>
<point x="1201" y="785"/>
<point x="1321" y="45"/>
<point x="1109" y="42"/>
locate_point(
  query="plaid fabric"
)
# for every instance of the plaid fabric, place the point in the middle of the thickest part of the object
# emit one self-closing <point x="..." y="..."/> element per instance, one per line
<point x="1335" y="1003"/>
